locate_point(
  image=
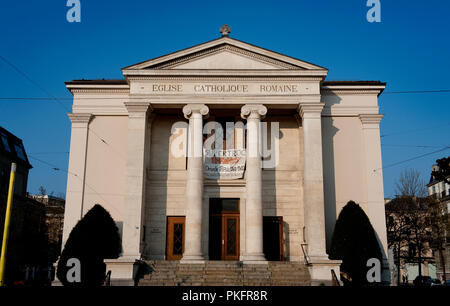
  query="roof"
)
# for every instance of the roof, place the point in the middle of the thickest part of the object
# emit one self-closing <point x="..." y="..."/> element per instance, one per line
<point x="124" y="82"/>
<point x="12" y="148"/>
<point x="216" y="44"/>
<point x="356" y="83"/>
<point x="97" y="82"/>
<point x="222" y="51"/>
<point x="433" y="179"/>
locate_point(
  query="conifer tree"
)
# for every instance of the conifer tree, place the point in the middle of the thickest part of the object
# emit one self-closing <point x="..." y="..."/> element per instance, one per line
<point x="354" y="242"/>
<point x="94" y="238"/>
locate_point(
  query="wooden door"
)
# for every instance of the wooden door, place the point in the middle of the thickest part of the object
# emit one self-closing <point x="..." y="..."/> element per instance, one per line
<point x="230" y="234"/>
<point x="224" y="229"/>
<point x="175" y="238"/>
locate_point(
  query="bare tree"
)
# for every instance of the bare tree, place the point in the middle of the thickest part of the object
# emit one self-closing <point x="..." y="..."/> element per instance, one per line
<point x="419" y="228"/>
<point x="396" y="227"/>
<point x="409" y="229"/>
<point x="42" y="191"/>
<point x="410" y="184"/>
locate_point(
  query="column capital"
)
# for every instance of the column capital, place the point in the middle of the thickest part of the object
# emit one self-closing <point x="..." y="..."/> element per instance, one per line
<point x="190" y="109"/>
<point x="138" y="107"/>
<point x="253" y="111"/>
<point x="311" y="110"/>
<point x="371" y="119"/>
<point x="80" y="117"/>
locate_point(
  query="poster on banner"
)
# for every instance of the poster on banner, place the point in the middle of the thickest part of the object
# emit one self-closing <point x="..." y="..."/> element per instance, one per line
<point x="224" y="164"/>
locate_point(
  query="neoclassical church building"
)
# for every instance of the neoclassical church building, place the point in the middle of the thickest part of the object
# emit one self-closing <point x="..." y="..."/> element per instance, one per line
<point x="295" y="149"/>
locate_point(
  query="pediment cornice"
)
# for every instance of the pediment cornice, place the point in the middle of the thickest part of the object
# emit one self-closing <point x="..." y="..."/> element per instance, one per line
<point x="277" y="64"/>
<point x="231" y="47"/>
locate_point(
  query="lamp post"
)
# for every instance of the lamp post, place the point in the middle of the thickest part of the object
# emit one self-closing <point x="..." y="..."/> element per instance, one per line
<point x="6" y="226"/>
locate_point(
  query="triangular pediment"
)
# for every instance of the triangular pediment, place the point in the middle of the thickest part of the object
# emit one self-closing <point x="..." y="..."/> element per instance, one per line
<point x="224" y="54"/>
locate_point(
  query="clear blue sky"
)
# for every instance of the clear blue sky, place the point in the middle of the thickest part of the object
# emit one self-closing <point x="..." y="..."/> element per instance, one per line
<point x="409" y="49"/>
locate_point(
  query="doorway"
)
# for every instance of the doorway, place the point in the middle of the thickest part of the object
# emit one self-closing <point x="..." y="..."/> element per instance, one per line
<point x="175" y="238"/>
<point x="223" y="229"/>
<point x="273" y="238"/>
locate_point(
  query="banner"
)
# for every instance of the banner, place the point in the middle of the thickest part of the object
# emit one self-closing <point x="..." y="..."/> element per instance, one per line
<point x="224" y="164"/>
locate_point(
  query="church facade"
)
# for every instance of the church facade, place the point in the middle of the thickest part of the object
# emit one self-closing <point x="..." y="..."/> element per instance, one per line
<point x="225" y="151"/>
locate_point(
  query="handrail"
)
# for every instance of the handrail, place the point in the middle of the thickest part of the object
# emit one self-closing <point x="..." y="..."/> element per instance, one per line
<point x="335" y="279"/>
<point x="305" y="254"/>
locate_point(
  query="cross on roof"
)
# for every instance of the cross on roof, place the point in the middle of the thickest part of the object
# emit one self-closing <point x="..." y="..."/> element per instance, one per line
<point x="225" y="30"/>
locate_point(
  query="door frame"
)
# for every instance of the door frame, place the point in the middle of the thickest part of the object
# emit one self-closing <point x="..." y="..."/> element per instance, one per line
<point x="280" y="232"/>
<point x="169" y="236"/>
<point x="224" y="215"/>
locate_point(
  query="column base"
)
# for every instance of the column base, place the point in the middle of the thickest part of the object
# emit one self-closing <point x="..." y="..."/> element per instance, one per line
<point x="192" y="259"/>
<point x="251" y="259"/>
<point x="123" y="270"/>
<point x="320" y="270"/>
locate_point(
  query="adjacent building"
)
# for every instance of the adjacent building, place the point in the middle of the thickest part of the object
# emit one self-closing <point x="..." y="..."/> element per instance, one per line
<point x="408" y="237"/>
<point x="27" y="245"/>
<point x="441" y="190"/>
<point x="226" y="151"/>
<point x="54" y="220"/>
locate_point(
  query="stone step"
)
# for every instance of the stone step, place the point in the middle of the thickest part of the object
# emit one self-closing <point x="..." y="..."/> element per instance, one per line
<point x="221" y="273"/>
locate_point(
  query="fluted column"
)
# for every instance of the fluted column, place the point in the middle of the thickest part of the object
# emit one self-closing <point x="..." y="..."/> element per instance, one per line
<point x="254" y="253"/>
<point x="138" y="112"/>
<point x="194" y="183"/>
<point x="313" y="198"/>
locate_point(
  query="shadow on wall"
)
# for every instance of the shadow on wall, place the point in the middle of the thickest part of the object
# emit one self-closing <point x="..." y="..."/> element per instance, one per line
<point x="269" y="192"/>
<point x="155" y="236"/>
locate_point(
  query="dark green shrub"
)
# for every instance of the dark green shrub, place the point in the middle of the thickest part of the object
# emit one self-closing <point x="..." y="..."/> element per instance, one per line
<point x="93" y="239"/>
<point x="354" y="242"/>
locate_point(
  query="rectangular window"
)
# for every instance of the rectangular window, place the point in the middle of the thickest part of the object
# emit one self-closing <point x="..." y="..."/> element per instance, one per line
<point x="20" y="151"/>
<point x="5" y="142"/>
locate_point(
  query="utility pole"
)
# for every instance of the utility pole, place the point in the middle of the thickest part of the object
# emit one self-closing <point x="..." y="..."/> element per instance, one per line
<point x="6" y="226"/>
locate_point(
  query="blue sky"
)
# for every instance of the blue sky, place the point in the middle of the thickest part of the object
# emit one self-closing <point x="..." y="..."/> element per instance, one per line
<point x="409" y="50"/>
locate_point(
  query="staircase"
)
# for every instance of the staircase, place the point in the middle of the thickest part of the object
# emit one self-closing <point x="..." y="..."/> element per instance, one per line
<point x="225" y="273"/>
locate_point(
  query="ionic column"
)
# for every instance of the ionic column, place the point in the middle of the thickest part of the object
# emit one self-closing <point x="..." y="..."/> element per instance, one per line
<point x="313" y="198"/>
<point x="135" y="177"/>
<point x="194" y="183"/>
<point x="77" y="169"/>
<point x="254" y="253"/>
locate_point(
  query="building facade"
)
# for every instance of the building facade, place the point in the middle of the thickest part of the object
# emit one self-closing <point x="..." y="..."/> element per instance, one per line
<point x="54" y="220"/>
<point x="138" y="149"/>
<point x="440" y="189"/>
<point x="26" y="243"/>
<point x="408" y="239"/>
